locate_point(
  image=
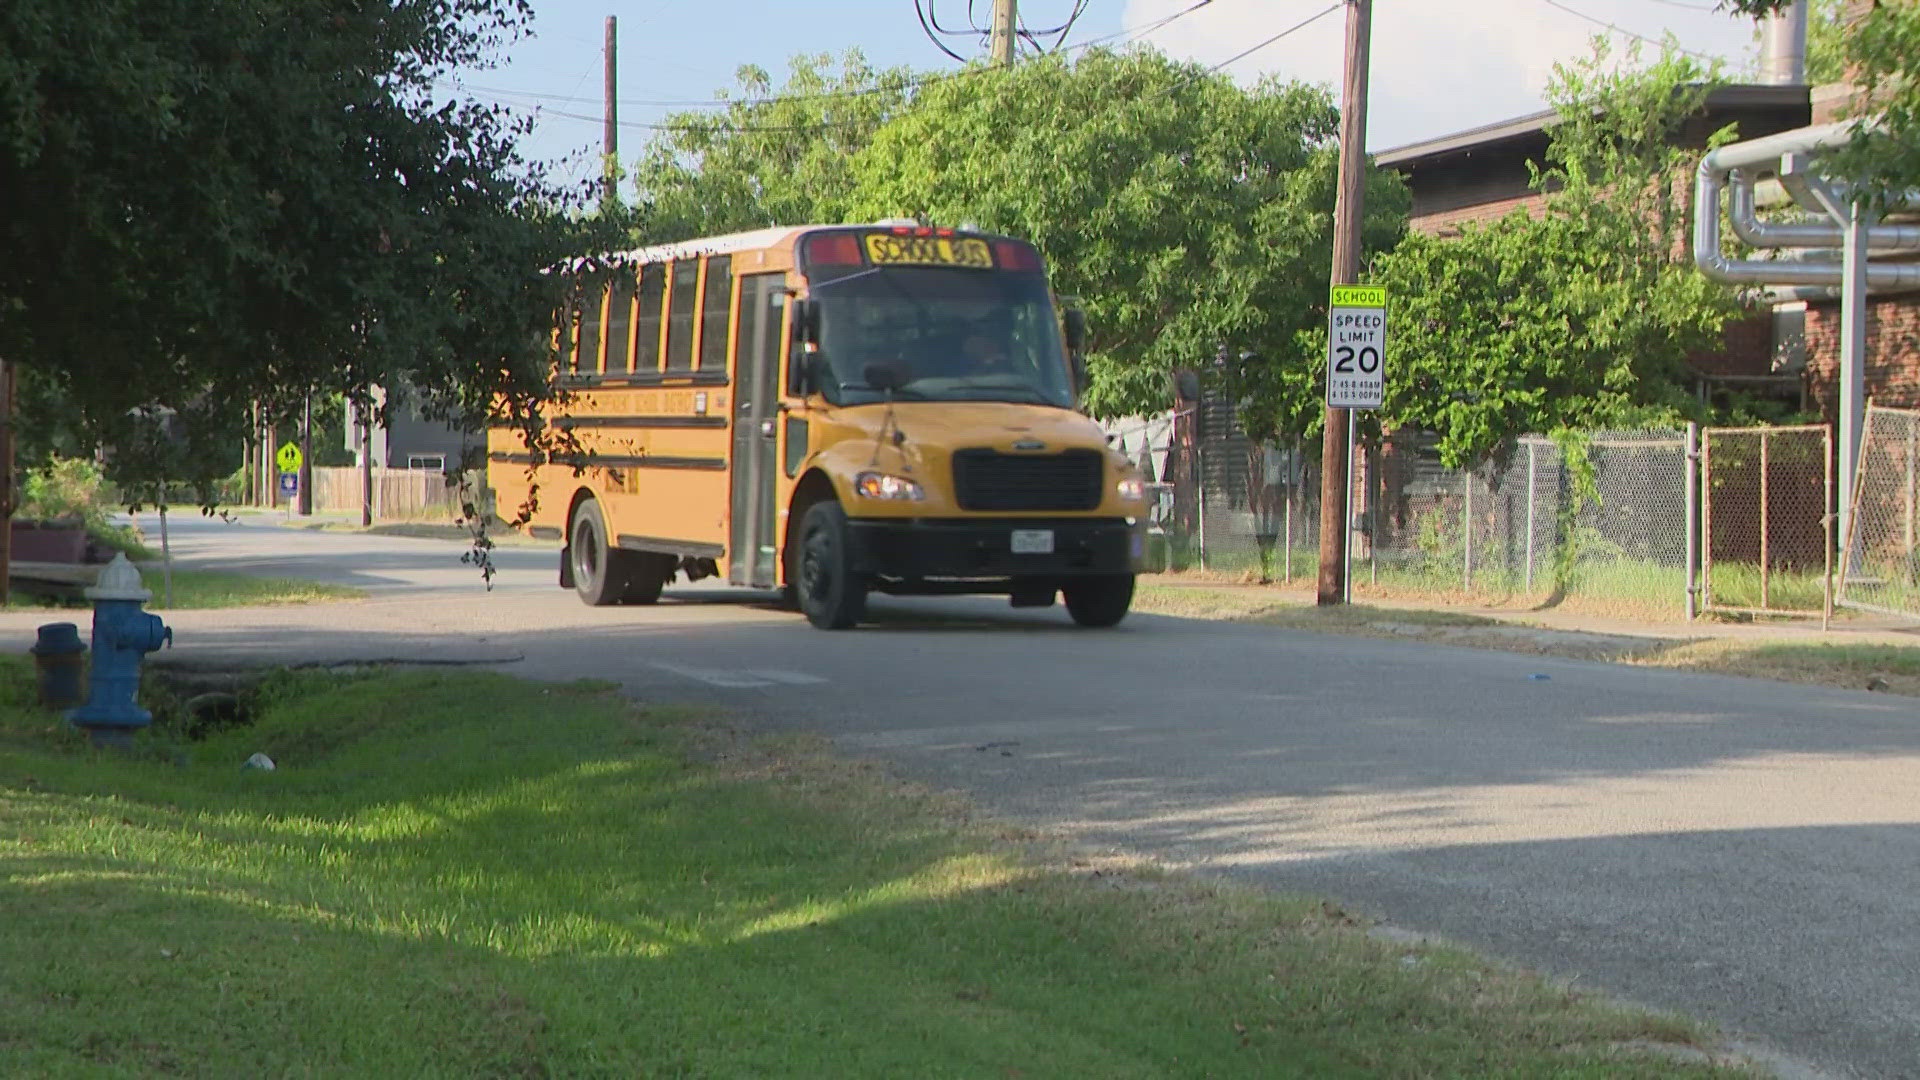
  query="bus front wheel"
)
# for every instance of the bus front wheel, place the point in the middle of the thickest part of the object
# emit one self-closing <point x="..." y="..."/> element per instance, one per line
<point x="831" y="591"/>
<point x="1099" y="601"/>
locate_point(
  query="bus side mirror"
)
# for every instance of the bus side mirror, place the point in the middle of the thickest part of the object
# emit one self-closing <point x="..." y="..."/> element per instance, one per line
<point x="806" y="321"/>
<point x="1082" y="381"/>
<point x="802" y="373"/>
<point x="1076" y="330"/>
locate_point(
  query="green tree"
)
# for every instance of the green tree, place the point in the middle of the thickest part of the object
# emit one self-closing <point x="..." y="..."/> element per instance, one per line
<point x="769" y="158"/>
<point x="1189" y="214"/>
<point x="212" y="202"/>
<point x="1584" y="315"/>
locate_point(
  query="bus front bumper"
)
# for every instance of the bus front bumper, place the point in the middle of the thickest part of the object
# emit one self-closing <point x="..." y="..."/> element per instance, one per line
<point x="999" y="548"/>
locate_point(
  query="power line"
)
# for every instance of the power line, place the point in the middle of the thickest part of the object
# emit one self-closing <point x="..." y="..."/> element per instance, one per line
<point x="928" y="13"/>
<point x="1131" y="33"/>
<point x="1295" y="28"/>
<point x="1597" y="21"/>
<point x="934" y="30"/>
<point x="718" y="123"/>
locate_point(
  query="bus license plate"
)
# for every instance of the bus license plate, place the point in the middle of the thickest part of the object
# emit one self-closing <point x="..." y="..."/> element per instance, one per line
<point x="1033" y="541"/>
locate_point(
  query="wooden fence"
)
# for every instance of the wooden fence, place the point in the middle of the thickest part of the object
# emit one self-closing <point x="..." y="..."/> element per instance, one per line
<point x="398" y="494"/>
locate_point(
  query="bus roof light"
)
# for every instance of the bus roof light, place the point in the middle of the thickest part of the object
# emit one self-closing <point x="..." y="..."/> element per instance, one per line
<point x="1013" y="255"/>
<point x="833" y="249"/>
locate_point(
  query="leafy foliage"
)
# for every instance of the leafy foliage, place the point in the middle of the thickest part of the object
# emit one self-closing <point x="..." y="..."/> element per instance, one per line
<point x="1190" y="215"/>
<point x="770" y="158"/>
<point x="222" y="201"/>
<point x="1579" y="317"/>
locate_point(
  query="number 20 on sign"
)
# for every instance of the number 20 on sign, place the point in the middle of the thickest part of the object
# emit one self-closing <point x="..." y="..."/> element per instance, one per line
<point x="1356" y="346"/>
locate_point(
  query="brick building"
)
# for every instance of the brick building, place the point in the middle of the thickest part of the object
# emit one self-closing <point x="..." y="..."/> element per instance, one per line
<point x="1481" y="175"/>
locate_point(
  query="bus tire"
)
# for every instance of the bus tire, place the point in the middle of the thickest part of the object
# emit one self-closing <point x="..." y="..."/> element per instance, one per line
<point x="598" y="571"/>
<point x="832" y="594"/>
<point x="1099" y="601"/>
<point x="646" y="574"/>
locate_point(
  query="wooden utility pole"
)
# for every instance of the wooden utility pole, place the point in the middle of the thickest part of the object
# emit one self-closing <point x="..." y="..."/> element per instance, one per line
<point x="610" y="131"/>
<point x="1000" y="37"/>
<point x="363" y="424"/>
<point x="6" y="482"/>
<point x="1334" y="486"/>
<point x="306" y="456"/>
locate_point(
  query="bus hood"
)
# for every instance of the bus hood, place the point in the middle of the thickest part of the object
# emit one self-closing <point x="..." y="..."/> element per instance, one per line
<point x="955" y="425"/>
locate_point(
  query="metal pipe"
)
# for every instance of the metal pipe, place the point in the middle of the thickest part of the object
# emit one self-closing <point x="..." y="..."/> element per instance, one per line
<point x="1826" y="535"/>
<point x="1784" y="46"/>
<point x="1708" y="185"/>
<point x="1743" y="215"/>
<point x="1706" y="520"/>
<point x="1766" y="556"/>
<point x="1692" y="501"/>
<point x="1466" y="521"/>
<point x="1768" y="149"/>
<point x="1530" y="481"/>
<point x="1853" y="353"/>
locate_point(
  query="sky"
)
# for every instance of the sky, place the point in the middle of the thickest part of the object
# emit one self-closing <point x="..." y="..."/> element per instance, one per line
<point x="1438" y="66"/>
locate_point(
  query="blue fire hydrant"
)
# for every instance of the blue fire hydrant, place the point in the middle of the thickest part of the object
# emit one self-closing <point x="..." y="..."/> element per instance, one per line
<point x="122" y="636"/>
<point x="60" y="656"/>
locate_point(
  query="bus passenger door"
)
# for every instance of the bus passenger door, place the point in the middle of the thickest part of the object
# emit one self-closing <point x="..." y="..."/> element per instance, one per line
<point x="752" y="546"/>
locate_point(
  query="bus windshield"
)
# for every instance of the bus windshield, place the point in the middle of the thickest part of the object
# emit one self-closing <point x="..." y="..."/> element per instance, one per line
<point x="947" y="334"/>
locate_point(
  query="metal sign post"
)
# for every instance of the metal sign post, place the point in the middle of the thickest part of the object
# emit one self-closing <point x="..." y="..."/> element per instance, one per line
<point x="1356" y="379"/>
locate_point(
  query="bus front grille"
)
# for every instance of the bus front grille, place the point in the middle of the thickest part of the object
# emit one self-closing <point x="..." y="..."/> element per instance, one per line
<point x="986" y="479"/>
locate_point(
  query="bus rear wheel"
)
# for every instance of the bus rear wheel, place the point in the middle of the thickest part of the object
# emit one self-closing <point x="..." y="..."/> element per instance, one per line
<point x="831" y="592"/>
<point x="1099" y="601"/>
<point x="599" y="574"/>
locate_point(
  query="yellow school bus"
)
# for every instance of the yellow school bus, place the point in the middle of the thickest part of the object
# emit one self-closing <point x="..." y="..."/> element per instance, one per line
<point x="833" y="411"/>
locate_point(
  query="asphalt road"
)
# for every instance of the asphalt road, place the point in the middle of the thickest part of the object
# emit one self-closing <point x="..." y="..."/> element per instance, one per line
<point x="1742" y="851"/>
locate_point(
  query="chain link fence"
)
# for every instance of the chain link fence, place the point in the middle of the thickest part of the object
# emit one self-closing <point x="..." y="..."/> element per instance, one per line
<point x="1881" y="570"/>
<point x="1766" y="519"/>
<point x="1533" y="522"/>
<point x="1602" y="514"/>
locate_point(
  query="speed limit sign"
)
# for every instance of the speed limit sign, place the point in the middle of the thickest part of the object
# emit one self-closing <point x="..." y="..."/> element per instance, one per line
<point x="1356" y="346"/>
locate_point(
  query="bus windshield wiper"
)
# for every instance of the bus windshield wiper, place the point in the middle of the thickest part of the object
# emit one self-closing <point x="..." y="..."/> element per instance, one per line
<point x="899" y="392"/>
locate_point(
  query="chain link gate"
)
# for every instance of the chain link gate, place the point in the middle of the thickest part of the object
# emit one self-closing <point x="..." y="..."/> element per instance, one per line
<point x="1767" y="520"/>
<point x="1880" y="570"/>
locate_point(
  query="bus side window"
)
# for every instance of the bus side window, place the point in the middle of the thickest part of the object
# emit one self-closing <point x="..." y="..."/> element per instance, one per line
<point x="646" y="341"/>
<point x="620" y="324"/>
<point x="570" y="341"/>
<point x="587" y="360"/>
<point x="715" y="308"/>
<point x="681" y="310"/>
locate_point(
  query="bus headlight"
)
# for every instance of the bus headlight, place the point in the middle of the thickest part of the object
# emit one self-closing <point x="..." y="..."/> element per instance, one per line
<point x="1131" y="489"/>
<point x="887" y="487"/>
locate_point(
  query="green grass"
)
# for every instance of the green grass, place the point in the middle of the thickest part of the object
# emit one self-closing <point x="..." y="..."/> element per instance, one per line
<point x="1616" y="586"/>
<point x="196" y="589"/>
<point x="1890" y="668"/>
<point x="460" y="874"/>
